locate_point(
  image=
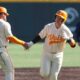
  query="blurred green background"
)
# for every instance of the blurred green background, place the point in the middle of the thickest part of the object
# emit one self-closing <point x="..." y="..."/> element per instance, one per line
<point x="31" y="58"/>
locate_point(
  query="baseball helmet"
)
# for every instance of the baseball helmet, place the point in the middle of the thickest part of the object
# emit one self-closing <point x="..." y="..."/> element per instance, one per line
<point x="3" y="10"/>
<point x="63" y="14"/>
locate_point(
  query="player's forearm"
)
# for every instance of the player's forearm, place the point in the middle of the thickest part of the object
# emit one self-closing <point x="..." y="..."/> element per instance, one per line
<point x="36" y="39"/>
<point x="72" y="42"/>
<point x="15" y="40"/>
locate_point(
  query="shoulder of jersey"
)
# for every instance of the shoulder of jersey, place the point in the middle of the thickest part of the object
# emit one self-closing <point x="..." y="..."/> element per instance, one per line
<point x="50" y="24"/>
<point x="64" y="26"/>
<point x="4" y="22"/>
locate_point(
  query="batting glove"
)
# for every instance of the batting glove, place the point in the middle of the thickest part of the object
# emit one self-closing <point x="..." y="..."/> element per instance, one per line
<point x="30" y="44"/>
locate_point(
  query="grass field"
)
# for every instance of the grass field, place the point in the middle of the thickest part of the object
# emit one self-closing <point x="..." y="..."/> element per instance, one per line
<point x="31" y="57"/>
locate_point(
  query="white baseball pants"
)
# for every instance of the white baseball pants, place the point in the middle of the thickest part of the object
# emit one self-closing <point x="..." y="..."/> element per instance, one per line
<point x="6" y="65"/>
<point x="50" y="65"/>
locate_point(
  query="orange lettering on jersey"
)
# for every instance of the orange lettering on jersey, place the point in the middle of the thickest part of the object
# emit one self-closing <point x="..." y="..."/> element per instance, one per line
<point x="54" y="39"/>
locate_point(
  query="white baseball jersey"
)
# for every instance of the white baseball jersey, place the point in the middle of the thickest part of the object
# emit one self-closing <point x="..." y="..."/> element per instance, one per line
<point x="5" y="31"/>
<point x="51" y="33"/>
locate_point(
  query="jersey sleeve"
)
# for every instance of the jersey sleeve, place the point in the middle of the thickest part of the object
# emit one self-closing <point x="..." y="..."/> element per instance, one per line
<point x="7" y="28"/>
<point x="67" y="33"/>
<point x="43" y="32"/>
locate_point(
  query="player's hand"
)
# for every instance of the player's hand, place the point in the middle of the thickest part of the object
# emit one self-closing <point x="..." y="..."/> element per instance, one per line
<point x="26" y="45"/>
<point x="72" y="43"/>
<point x="30" y="44"/>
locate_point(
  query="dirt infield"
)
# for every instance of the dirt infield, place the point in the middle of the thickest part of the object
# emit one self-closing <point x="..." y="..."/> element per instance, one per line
<point x="66" y="73"/>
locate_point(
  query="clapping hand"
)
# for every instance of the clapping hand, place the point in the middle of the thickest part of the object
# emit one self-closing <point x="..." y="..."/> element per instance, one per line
<point x="27" y="45"/>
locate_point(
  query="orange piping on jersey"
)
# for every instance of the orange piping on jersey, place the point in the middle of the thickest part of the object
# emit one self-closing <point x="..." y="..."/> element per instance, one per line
<point x="54" y="39"/>
<point x="15" y="40"/>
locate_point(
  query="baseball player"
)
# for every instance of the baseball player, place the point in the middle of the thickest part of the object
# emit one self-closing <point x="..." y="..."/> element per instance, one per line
<point x="6" y="36"/>
<point x="56" y="34"/>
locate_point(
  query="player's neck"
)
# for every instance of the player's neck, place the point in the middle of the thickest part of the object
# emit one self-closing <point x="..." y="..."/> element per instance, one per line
<point x="57" y="25"/>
